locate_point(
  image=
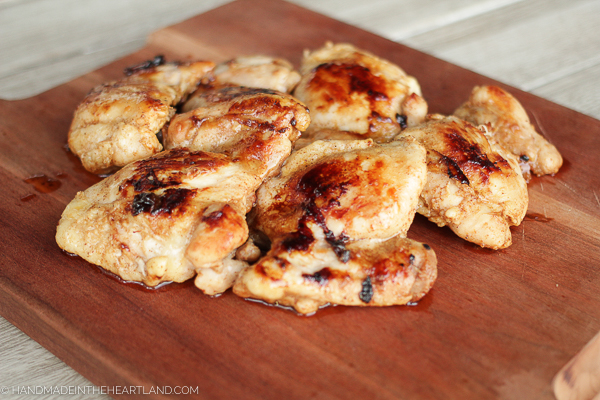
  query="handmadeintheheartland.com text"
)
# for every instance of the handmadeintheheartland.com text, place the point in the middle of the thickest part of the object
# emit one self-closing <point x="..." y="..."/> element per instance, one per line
<point x="92" y="390"/>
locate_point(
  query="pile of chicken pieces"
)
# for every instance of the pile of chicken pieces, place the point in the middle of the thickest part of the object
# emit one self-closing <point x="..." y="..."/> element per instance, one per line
<point x="293" y="188"/>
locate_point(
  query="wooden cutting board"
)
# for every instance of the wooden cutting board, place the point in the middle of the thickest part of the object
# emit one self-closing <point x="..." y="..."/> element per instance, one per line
<point x="497" y="324"/>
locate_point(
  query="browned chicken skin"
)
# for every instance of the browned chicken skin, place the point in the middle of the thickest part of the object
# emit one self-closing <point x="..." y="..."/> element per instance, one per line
<point x="395" y="271"/>
<point x="255" y="126"/>
<point x="337" y="215"/>
<point x="348" y="89"/>
<point x="363" y="190"/>
<point x="162" y="218"/>
<point x="509" y="125"/>
<point x="474" y="186"/>
<point x="117" y="122"/>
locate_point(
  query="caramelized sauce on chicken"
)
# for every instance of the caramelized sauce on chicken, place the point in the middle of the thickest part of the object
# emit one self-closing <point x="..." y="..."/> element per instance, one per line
<point x="348" y="89"/>
<point x="474" y="186"/>
<point x="509" y="126"/>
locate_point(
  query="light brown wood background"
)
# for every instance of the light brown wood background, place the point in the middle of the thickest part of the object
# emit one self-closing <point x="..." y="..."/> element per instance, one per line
<point x="549" y="48"/>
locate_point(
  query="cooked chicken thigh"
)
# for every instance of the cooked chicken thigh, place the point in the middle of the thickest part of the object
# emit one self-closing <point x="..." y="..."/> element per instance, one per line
<point x="509" y="125"/>
<point x="257" y="72"/>
<point x="395" y="271"/>
<point x="117" y="122"/>
<point x="473" y="186"/>
<point x="337" y="215"/>
<point x="359" y="189"/>
<point x="253" y="126"/>
<point x="163" y="218"/>
<point x="348" y="89"/>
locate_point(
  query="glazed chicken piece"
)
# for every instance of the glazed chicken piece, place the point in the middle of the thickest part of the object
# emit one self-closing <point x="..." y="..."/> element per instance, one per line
<point x="164" y="218"/>
<point x="361" y="190"/>
<point x="348" y="89"/>
<point x="509" y="125"/>
<point x="182" y="212"/>
<point x="257" y="72"/>
<point x="395" y="271"/>
<point x="474" y="186"/>
<point x="337" y="217"/>
<point x="255" y="126"/>
<point x="118" y="122"/>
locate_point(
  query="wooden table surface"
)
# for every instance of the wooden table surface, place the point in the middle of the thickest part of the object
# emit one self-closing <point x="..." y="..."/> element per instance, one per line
<point x="548" y="48"/>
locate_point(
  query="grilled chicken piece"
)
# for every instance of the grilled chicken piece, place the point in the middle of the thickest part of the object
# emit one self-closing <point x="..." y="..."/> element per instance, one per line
<point x="359" y="189"/>
<point x="257" y="72"/>
<point x="117" y="122"/>
<point x="348" y="89"/>
<point x="395" y="271"/>
<point x="337" y="214"/>
<point x="255" y="126"/>
<point x="474" y="186"/>
<point x="164" y="218"/>
<point x="509" y="125"/>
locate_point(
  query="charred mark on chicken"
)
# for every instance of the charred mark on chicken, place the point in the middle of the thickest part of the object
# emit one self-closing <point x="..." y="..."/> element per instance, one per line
<point x="143" y="202"/>
<point x="469" y="156"/>
<point x="454" y="171"/>
<point x="166" y="203"/>
<point x="170" y="168"/>
<point x="300" y="240"/>
<point x="338" y="244"/>
<point x="325" y="275"/>
<point x="366" y="292"/>
<point x="466" y="152"/>
<point x="320" y="195"/>
<point x="321" y="277"/>
<point x="357" y="78"/>
<point x="155" y="62"/>
<point x="402" y="121"/>
<point x="338" y="82"/>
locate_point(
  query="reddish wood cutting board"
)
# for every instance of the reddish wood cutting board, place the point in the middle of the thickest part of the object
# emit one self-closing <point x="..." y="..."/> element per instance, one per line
<point x="496" y="325"/>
